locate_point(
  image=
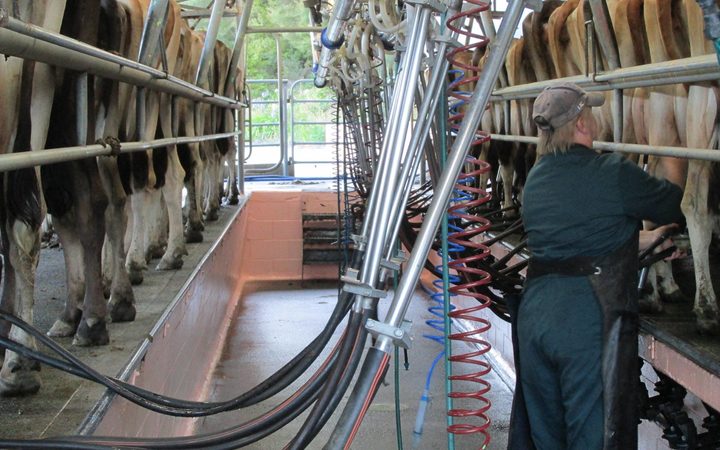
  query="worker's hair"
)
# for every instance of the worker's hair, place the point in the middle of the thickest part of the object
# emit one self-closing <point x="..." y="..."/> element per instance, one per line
<point x="561" y="139"/>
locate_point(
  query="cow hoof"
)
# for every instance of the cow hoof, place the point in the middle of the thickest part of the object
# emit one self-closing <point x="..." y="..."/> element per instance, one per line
<point x="511" y="214"/>
<point x="107" y="287"/>
<point x="234" y="200"/>
<point x="170" y="263"/>
<point x="193" y="236"/>
<point x="676" y="296"/>
<point x="647" y="306"/>
<point x="211" y="215"/>
<point x="19" y="379"/>
<point x="708" y="327"/>
<point x="91" y="335"/>
<point x="136" y="276"/>
<point x="62" y="328"/>
<point x="122" y="312"/>
<point x="154" y="251"/>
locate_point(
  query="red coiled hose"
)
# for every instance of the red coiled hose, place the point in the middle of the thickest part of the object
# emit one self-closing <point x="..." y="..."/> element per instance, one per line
<point x="472" y="197"/>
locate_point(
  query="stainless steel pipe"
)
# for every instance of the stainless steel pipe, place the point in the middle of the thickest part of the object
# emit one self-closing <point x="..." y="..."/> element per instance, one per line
<point x="22" y="160"/>
<point x="27" y="41"/>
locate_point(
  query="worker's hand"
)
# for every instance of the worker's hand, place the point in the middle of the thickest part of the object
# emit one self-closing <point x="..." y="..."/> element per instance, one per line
<point x="648" y="237"/>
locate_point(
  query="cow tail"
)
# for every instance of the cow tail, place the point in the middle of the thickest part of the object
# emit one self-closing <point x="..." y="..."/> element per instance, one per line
<point x="160" y="162"/>
<point x="714" y="189"/>
<point x="22" y="191"/>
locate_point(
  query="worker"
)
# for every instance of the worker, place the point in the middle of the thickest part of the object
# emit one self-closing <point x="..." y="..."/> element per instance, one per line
<point x="577" y="324"/>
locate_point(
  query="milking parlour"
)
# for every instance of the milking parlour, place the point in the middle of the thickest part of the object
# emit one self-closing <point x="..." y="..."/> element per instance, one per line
<point x="305" y="224"/>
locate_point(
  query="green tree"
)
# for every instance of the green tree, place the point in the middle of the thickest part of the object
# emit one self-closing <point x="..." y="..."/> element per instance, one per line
<point x="260" y="47"/>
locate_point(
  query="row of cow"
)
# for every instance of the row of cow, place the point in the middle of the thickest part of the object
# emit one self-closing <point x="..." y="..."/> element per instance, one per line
<point x="645" y="31"/>
<point x="90" y="200"/>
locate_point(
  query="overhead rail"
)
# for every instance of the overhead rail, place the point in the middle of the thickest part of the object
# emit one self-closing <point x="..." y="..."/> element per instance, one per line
<point x="307" y="29"/>
<point x="204" y="13"/>
<point x="24" y="40"/>
<point x="640" y="149"/>
<point x="23" y="160"/>
<point x="686" y="70"/>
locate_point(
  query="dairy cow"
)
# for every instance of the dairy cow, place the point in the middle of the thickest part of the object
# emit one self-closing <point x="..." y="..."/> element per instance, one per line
<point x="26" y="93"/>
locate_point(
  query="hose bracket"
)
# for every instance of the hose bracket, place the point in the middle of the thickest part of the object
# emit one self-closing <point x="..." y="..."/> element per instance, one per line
<point x="400" y="336"/>
<point x="353" y="285"/>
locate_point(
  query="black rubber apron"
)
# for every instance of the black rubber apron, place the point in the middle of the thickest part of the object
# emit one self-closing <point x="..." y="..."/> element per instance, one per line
<point x="613" y="278"/>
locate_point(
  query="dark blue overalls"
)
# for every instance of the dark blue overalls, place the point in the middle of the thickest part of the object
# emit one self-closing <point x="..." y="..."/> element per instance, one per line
<point x="578" y="333"/>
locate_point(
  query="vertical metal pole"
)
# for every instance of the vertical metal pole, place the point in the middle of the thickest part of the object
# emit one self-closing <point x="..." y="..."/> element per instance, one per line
<point x="154" y="27"/>
<point x="426" y="111"/>
<point x="241" y="152"/>
<point x="82" y="109"/>
<point x="209" y="46"/>
<point x="239" y="43"/>
<point x="282" y="107"/>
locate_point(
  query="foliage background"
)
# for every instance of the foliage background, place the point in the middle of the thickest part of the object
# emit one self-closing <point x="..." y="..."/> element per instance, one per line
<point x="261" y="63"/>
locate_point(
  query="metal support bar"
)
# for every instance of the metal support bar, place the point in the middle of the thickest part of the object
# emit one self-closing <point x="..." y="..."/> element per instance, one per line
<point x="28" y="41"/>
<point x="420" y="134"/>
<point x="678" y="152"/>
<point x="205" y="13"/>
<point x="282" y="106"/>
<point x="387" y="184"/>
<point x="154" y="27"/>
<point x="239" y="42"/>
<point x="22" y="160"/>
<point x="208" y="51"/>
<point x="685" y="70"/>
<point x="465" y="136"/>
<point x="255" y="30"/>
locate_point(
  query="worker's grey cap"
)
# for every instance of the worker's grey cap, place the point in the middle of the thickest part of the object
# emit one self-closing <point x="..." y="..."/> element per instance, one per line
<point x="559" y="103"/>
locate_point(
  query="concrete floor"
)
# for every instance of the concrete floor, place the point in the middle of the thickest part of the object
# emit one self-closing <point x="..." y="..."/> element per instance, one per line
<point x="63" y="401"/>
<point x="276" y="320"/>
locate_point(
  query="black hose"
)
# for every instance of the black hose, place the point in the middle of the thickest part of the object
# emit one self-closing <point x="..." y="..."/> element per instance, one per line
<point x="355" y="331"/>
<point x="183" y="408"/>
<point x="343" y="385"/>
<point x="374" y="367"/>
<point x="234" y="437"/>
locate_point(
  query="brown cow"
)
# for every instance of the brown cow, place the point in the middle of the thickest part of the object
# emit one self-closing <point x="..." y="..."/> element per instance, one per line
<point x="22" y="84"/>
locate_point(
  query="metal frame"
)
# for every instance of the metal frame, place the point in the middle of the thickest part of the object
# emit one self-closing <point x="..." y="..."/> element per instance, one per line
<point x="27" y="41"/>
<point x="293" y="100"/>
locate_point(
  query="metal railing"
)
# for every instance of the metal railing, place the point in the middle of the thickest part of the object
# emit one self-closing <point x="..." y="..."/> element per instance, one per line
<point x="324" y="148"/>
<point x="290" y="143"/>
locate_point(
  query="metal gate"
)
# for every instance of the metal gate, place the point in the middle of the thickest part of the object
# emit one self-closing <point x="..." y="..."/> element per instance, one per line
<point x="289" y="129"/>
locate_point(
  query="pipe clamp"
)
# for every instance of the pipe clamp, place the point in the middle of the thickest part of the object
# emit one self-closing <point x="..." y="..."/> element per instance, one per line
<point x="400" y="336"/>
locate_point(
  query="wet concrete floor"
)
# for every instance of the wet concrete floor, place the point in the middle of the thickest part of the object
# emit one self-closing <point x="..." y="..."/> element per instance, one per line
<point x="276" y="320"/>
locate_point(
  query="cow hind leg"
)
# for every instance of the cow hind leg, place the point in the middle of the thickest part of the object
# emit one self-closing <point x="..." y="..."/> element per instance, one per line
<point x="669" y="290"/>
<point x="172" y="193"/>
<point x="193" y="182"/>
<point x="121" y="297"/>
<point x="66" y="325"/>
<point x="20" y="375"/>
<point x="90" y="223"/>
<point x="699" y="203"/>
<point x="136" y="262"/>
<point x="155" y="226"/>
<point x="650" y="301"/>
